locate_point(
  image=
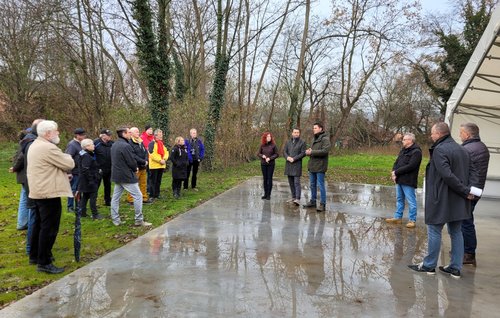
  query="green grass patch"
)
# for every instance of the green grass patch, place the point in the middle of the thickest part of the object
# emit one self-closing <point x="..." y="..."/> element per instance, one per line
<point x="100" y="237"/>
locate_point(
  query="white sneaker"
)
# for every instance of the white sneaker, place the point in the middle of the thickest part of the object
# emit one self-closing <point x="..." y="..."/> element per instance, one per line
<point x="296" y="202"/>
<point x="290" y="200"/>
<point x="142" y="223"/>
<point x="118" y="223"/>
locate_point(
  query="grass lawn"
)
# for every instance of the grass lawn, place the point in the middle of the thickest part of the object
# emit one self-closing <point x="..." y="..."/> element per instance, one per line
<point x="18" y="279"/>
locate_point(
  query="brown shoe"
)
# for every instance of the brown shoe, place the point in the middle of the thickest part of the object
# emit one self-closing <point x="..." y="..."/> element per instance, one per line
<point x="469" y="259"/>
<point x="394" y="220"/>
<point x="410" y="224"/>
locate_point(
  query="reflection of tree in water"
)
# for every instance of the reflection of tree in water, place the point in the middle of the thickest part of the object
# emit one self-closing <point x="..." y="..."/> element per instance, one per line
<point x="314" y="256"/>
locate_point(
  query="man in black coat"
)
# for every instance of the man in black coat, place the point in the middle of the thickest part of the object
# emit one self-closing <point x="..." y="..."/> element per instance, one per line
<point x="447" y="199"/>
<point x="405" y="175"/>
<point x="295" y="150"/>
<point x="89" y="180"/>
<point x="480" y="157"/>
<point x="123" y="174"/>
<point x="73" y="148"/>
<point x="103" y="157"/>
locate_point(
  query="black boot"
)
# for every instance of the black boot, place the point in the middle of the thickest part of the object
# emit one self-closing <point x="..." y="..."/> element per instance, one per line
<point x="310" y="204"/>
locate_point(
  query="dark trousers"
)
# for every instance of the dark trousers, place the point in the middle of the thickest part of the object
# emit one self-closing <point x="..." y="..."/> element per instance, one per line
<point x="469" y="233"/>
<point x="176" y="185"/>
<point x="156" y="175"/>
<point x="84" y="198"/>
<point x="295" y="187"/>
<point x="45" y="229"/>
<point x="74" y="186"/>
<point x="194" y="166"/>
<point x="106" y="180"/>
<point x="267" y="173"/>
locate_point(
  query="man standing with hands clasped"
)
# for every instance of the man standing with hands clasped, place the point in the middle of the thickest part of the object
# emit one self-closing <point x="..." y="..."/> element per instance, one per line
<point x="317" y="166"/>
<point x="405" y="175"/>
<point x="295" y="150"/>
<point x="447" y="199"/>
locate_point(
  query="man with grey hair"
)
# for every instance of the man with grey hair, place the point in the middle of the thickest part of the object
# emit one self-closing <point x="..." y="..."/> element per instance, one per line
<point x="480" y="157"/>
<point x="196" y="153"/>
<point x="48" y="181"/>
<point x="405" y="175"/>
<point x="448" y="176"/>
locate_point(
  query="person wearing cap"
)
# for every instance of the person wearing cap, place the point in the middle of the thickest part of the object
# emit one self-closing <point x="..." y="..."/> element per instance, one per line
<point x="73" y="148"/>
<point x="102" y="154"/>
<point x="123" y="174"/>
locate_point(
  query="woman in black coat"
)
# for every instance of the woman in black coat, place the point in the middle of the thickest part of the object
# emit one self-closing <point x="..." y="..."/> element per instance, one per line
<point x="89" y="179"/>
<point x="180" y="161"/>
<point x="268" y="152"/>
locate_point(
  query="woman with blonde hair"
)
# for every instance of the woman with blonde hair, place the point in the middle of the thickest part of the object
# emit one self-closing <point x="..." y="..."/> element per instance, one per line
<point x="158" y="156"/>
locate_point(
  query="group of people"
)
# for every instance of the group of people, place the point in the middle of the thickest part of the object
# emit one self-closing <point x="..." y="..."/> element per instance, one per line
<point x="296" y="149"/>
<point x="454" y="179"/>
<point x="134" y="162"/>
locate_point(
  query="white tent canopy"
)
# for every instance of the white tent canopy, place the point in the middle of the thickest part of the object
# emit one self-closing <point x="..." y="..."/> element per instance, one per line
<point x="476" y="98"/>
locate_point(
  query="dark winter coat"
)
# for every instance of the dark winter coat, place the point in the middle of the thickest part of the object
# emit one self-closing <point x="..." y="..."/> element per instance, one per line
<point x="318" y="161"/>
<point x="102" y="153"/>
<point x="407" y="166"/>
<point x="295" y="148"/>
<point x="180" y="161"/>
<point x="88" y="172"/>
<point x="447" y="178"/>
<point x="480" y="157"/>
<point x="25" y="145"/>
<point x="123" y="163"/>
<point x="195" y="149"/>
<point x="270" y="151"/>
<point x="73" y="148"/>
<point x="140" y="153"/>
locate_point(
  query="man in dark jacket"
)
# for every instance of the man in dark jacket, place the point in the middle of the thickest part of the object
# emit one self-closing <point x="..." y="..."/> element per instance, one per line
<point x="73" y="148"/>
<point x="123" y="174"/>
<point x="447" y="199"/>
<point x="295" y="150"/>
<point x="89" y="180"/>
<point x="480" y="157"/>
<point x="103" y="158"/>
<point x="318" y="165"/>
<point x="196" y="153"/>
<point x="405" y="175"/>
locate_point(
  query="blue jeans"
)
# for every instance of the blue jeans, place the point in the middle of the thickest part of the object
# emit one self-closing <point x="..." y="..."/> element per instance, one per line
<point x="434" y="244"/>
<point x="406" y="192"/>
<point x="469" y="233"/>
<point x="31" y="224"/>
<point x="22" y="210"/>
<point x="317" y="178"/>
<point x="74" y="187"/>
<point x="135" y="192"/>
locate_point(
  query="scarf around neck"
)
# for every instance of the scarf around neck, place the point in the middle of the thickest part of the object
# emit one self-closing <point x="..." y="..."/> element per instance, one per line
<point x="160" y="148"/>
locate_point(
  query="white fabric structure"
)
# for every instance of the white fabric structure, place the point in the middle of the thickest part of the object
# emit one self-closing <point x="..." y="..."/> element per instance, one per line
<point x="476" y="98"/>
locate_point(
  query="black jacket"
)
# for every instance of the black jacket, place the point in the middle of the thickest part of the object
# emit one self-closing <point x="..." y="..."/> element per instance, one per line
<point x="89" y="172"/>
<point x="73" y="148"/>
<point x="25" y="145"/>
<point x="140" y="154"/>
<point x="447" y="178"/>
<point x="319" y="155"/>
<point x="480" y="157"/>
<point x="123" y="163"/>
<point x="180" y="161"/>
<point x="407" y="166"/>
<point x="270" y="151"/>
<point x="102" y="153"/>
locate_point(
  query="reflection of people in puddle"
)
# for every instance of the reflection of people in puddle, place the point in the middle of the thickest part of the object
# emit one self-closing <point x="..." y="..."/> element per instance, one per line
<point x="402" y="284"/>
<point x="289" y="252"/>
<point x="264" y="235"/>
<point x="156" y="244"/>
<point x="314" y="257"/>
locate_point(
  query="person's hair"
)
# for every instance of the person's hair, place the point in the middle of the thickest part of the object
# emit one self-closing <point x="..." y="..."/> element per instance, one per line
<point x="86" y="142"/>
<point x="442" y="128"/>
<point x="296" y="128"/>
<point x="157" y="131"/>
<point x="121" y="130"/>
<point x="34" y="124"/>
<point x="411" y="135"/>
<point x="472" y="129"/>
<point x="134" y="129"/>
<point x="43" y="127"/>
<point x="177" y="139"/>
<point x="193" y="129"/>
<point x="320" y="125"/>
<point x="263" y="140"/>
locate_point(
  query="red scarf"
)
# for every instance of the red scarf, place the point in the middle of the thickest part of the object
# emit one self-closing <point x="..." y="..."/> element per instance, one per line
<point x="160" y="148"/>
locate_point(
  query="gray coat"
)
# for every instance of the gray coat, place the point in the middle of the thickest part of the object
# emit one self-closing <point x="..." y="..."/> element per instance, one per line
<point x="295" y="148"/>
<point x="319" y="156"/>
<point x="447" y="178"/>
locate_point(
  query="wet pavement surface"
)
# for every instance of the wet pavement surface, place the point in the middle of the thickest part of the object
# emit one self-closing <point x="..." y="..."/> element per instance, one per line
<point x="239" y="256"/>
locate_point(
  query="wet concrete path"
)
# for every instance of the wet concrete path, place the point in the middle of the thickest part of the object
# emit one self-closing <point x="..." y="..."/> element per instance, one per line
<point x="239" y="256"/>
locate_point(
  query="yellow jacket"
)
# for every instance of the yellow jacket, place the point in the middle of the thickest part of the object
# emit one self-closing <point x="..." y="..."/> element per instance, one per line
<point x="155" y="158"/>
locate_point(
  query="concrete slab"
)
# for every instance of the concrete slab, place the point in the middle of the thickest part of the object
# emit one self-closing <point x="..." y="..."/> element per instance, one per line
<point x="239" y="256"/>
